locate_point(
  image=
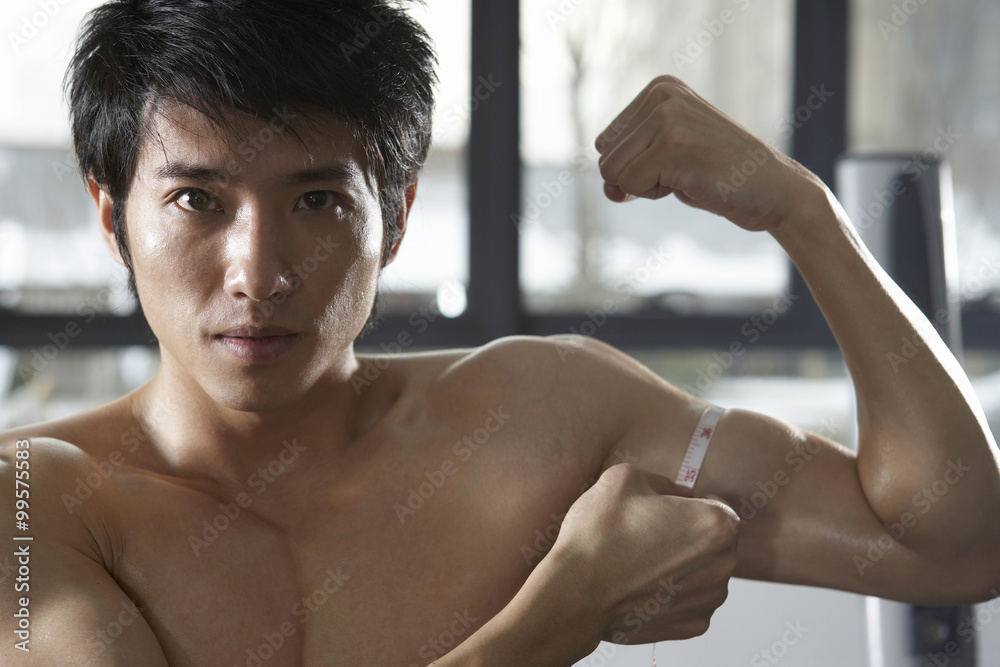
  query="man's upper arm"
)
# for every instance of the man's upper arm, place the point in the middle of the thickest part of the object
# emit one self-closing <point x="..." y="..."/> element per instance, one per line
<point x="805" y="516"/>
<point x="54" y="588"/>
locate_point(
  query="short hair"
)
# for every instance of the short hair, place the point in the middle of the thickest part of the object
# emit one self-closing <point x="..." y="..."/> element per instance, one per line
<point x="365" y="61"/>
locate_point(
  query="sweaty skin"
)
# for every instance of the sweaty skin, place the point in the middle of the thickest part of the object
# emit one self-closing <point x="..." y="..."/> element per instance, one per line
<point x="296" y="510"/>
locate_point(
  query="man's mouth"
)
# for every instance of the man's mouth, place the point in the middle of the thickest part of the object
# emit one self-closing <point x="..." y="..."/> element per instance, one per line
<point x="257" y="344"/>
<point x="254" y="331"/>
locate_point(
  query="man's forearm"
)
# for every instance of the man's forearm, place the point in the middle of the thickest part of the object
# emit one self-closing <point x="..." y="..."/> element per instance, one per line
<point x="924" y="445"/>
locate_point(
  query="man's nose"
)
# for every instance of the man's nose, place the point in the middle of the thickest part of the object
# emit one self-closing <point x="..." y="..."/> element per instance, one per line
<point x="256" y="252"/>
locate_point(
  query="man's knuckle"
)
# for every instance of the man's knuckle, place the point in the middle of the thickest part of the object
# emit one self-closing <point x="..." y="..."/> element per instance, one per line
<point x="620" y="474"/>
<point x="682" y="180"/>
<point x="627" y="471"/>
<point x="668" y="79"/>
<point x="719" y="527"/>
<point x="664" y="91"/>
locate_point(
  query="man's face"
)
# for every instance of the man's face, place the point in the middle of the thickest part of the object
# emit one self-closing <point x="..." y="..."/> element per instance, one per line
<point x="256" y="254"/>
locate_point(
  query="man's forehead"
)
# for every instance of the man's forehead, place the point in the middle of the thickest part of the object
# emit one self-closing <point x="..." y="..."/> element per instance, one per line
<point x="288" y="139"/>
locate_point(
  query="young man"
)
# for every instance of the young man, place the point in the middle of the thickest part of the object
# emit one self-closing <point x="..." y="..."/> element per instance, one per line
<point x="254" y="165"/>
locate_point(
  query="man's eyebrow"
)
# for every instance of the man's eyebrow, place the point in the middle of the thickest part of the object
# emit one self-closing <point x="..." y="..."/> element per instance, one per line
<point x="335" y="171"/>
<point x="169" y="170"/>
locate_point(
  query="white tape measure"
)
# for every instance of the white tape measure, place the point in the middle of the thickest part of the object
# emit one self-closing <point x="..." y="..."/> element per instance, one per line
<point x="695" y="454"/>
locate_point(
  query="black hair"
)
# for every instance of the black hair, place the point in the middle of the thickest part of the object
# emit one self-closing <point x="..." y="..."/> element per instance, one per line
<point x="365" y="61"/>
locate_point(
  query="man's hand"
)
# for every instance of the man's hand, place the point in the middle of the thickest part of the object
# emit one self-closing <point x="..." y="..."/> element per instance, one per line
<point x="670" y="140"/>
<point x="631" y="564"/>
<point x="643" y="562"/>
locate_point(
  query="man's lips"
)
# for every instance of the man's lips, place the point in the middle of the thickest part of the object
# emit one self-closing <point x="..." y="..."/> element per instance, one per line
<point x="251" y="331"/>
<point x="257" y="344"/>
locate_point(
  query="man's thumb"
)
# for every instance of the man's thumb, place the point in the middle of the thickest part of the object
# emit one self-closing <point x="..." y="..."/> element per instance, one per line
<point x="719" y="499"/>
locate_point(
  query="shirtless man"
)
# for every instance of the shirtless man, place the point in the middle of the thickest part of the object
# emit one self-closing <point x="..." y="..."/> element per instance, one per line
<point x="253" y="505"/>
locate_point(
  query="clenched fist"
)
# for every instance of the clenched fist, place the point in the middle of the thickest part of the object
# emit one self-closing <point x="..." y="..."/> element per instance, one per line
<point x="669" y="140"/>
<point x="632" y="563"/>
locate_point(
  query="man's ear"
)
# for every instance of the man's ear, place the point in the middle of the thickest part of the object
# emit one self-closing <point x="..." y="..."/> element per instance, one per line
<point x="104" y="215"/>
<point x="404" y="214"/>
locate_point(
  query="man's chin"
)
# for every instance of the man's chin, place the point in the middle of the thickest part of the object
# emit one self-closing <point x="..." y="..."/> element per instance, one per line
<point x="254" y="395"/>
<point x="251" y="403"/>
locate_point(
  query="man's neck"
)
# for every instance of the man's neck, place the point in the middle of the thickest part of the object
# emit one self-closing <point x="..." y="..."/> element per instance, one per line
<point x="191" y="434"/>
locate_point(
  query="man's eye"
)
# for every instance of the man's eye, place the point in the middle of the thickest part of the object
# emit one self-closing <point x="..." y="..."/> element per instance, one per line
<point x="197" y="201"/>
<point x="317" y="200"/>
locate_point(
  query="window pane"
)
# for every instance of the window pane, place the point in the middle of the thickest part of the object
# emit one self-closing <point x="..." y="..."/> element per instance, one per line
<point x="434" y="257"/>
<point x="808" y="387"/>
<point x="51" y="255"/>
<point x="581" y="64"/>
<point x="34" y="388"/>
<point x="923" y="81"/>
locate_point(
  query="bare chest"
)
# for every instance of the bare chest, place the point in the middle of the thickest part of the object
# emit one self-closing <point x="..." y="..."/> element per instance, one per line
<point x="393" y="562"/>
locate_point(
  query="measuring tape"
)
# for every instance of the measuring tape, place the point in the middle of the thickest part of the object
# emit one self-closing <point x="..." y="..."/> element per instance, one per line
<point x="695" y="454"/>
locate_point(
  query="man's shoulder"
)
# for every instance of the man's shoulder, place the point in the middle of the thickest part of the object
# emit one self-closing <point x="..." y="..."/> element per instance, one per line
<point x="40" y="471"/>
<point x="90" y="432"/>
<point x="537" y="400"/>
<point x="518" y="363"/>
<point x="65" y="462"/>
<point x="508" y="357"/>
<point x="597" y="384"/>
<point x="565" y="362"/>
<point x="562" y="380"/>
<point x="52" y="449"/>
<point x="59" y="457"/>
<point x="63" y="451"/>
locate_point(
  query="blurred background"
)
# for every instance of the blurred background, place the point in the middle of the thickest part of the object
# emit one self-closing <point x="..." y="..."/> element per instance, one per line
<point x="511" y="233"/>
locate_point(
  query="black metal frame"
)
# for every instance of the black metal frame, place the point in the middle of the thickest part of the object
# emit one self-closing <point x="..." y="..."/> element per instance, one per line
<point x="495" y="307"/>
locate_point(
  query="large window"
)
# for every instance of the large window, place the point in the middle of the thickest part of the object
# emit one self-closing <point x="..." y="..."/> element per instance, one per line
<point x="581" y="64"/>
